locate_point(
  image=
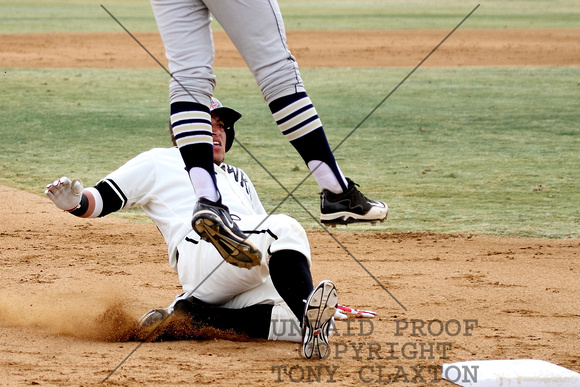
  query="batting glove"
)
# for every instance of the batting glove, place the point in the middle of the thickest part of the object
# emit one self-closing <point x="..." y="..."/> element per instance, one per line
<point x="344" y="312"/>
<point x="65" y="194"/>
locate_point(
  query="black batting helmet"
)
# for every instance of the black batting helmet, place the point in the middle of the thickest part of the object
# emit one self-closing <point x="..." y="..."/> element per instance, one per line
<point x="229" y="116"/>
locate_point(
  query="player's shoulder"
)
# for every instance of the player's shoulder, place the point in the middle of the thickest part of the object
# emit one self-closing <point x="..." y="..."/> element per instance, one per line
<point x="157" y="156"/>
<point x="163" y="151"/>
<point x="160" y="153"/>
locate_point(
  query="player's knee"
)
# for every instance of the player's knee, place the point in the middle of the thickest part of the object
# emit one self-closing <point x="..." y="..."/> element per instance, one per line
<point x="289" y="235"/>
<point x="277" y="83"/>
<point x="290" y="225"/>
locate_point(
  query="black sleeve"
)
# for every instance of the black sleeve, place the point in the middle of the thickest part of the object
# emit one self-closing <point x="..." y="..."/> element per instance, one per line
<point x="113" y="197"/>
<point x="83" y="207"/>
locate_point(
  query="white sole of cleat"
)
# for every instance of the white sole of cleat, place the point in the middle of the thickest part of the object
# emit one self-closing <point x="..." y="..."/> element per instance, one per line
<point x="349" y="218"/>
<point x="320" y="309"/>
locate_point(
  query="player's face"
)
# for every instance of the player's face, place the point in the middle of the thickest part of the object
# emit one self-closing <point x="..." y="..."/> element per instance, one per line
<point x="219" y="139"/>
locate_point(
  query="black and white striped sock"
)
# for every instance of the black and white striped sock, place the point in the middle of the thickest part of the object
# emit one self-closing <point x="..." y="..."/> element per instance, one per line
<point x="298" y="120"/>
<point x="191" y="126"/>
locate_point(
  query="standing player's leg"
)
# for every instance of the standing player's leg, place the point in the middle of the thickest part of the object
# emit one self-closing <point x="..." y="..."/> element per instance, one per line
<point x="260" y="38"/>
<point x="185" y="29"/>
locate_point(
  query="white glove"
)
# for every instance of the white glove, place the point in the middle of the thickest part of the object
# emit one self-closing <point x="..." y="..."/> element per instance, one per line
<point x="65" y="194"/>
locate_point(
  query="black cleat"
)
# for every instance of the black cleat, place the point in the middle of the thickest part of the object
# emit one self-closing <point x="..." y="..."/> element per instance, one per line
<point x="318" y="320"/>
<point x="213" y="223"/>
<point x="350" y="206"/>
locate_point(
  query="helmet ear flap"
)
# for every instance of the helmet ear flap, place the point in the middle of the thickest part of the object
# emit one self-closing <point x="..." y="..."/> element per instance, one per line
<point x="230" y="135"/>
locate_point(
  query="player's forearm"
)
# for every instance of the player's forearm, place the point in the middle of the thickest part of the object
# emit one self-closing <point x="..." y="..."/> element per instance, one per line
<point x="70" y="196"/>
<point x="91" y="204"/>
<point x="101" y="200"/>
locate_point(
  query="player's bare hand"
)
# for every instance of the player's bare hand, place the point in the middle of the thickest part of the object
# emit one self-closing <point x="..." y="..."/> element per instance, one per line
<point x="65" y="194"/>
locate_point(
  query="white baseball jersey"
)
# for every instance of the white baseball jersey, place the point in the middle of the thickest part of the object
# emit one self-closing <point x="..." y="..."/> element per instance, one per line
<point x="157" y="181"/>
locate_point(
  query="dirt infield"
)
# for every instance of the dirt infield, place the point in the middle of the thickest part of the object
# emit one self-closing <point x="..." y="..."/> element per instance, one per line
<point x="391" y="48"/>
<point x="72" y="287"/>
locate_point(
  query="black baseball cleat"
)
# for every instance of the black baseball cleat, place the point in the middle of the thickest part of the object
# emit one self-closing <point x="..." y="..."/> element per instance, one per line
<point x="350" y="206"/>
<point x="213" y="223"/>
<point x="318" y="320"/>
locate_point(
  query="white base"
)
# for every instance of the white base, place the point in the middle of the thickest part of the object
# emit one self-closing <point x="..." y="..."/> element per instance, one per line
<point x="508" y="373"/>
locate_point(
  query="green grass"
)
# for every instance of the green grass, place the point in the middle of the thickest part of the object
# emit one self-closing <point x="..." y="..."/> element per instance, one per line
<point x="33" y="16"/>
<point x="453" y="150"/>
<point x="29" y="16"/>
<point x="380" y="14"/>
<point x="77" y="120"/>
